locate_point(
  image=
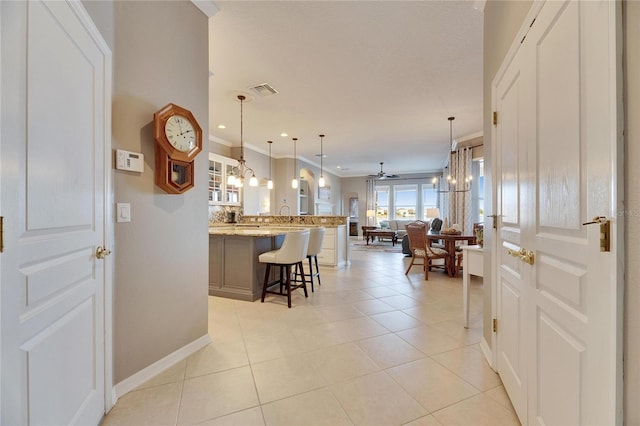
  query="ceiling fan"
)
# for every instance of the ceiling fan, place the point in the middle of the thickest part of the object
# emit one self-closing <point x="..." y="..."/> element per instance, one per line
<point x="383" y="175"/>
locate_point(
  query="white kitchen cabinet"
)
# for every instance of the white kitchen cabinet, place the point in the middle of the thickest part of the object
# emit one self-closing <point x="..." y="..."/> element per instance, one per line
<point x="304" y="197"/>
<point x="219" y="192"/>
<point x="334" y="247"/>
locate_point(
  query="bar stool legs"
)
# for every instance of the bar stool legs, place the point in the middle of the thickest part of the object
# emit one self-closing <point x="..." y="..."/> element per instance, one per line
<point x="292" y="252"/>
<point x="311" y="274"/>
<point x="285" y="281"/>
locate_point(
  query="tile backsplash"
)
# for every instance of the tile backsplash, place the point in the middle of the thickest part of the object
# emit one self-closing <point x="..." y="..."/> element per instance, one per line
<point x="220" y="214"/>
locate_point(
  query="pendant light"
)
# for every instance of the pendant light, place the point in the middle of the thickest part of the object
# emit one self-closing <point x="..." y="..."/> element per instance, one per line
<point x="270" y="182"/>
<point x="239" y="172"/>
<point x="321" y="182"/>
<point x="294" y="181"/>
<point x="451" y="180"/>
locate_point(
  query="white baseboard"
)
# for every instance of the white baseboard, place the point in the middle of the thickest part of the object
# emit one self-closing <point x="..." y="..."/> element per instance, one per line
<point x="488" y="354"/>
<point x="142" y="376"/>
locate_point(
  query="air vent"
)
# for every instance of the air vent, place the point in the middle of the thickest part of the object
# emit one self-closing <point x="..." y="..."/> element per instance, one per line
<point x="264" y="89"/>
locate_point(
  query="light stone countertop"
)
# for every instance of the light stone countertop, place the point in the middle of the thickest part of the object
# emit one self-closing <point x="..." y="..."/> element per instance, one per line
<point x="252" y="231"/>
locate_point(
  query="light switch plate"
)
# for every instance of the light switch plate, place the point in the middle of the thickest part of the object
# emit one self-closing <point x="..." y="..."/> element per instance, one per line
<point x="123" y="212"/>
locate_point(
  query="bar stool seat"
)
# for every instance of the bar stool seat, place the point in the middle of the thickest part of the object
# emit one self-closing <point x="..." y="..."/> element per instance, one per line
<point x="292" y="252"/>
<point x="316" y="236"/>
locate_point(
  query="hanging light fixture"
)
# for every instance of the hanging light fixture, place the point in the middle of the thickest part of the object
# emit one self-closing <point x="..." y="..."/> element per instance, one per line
<point x="270" y="182"/>
<point x="451" y="181"/>
<point x="294" y="181"/>
<point x="238" y="173"/>
<point x="321" y="182"/>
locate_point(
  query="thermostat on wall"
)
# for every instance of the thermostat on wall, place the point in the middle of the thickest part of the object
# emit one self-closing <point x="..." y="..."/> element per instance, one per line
<point x="130" y="161"/>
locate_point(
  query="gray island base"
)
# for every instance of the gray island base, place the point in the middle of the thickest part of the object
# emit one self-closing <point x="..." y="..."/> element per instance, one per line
<point x="234" y="269"/>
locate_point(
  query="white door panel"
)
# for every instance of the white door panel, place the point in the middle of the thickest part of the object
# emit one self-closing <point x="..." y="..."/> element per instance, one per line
<point x="567" y="121"/>
<point x="511" y="355"/>
<point x="574" y="289"/>
<point x="54" y="114"/>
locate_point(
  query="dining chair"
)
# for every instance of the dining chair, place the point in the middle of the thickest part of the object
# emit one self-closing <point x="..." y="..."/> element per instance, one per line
<point x="417" y="233"/>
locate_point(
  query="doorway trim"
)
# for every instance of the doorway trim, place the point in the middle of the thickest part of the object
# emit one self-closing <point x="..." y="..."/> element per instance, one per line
<point x="109" y="235"/>
<point x="492" y="354"/>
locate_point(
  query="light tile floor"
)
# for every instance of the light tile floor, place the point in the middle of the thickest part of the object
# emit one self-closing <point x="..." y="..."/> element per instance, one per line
<point x="371" y="346"/>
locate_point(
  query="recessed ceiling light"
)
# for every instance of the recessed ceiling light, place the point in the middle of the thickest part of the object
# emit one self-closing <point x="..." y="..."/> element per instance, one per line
<point x="221" y="126"/>
<point x="283" y="134"/>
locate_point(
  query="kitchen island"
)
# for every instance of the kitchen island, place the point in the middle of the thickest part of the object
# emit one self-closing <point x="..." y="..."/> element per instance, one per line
<point x="234" y="269"/>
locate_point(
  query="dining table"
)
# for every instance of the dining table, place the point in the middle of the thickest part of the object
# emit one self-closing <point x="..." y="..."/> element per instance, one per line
<point x="449" y="242"/>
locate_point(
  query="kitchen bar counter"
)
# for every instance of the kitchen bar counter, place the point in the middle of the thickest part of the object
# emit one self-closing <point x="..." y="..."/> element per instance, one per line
<point x="250" y="231"/>
<point x="234" y="269"/>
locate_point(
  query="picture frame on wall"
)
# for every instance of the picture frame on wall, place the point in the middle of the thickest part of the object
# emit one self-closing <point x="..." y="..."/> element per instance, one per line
<point x="353" y="207"/>
<point x="324" y="193"/>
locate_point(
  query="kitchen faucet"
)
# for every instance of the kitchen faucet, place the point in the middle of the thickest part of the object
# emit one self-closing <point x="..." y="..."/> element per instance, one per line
<point x="288" y="210"/>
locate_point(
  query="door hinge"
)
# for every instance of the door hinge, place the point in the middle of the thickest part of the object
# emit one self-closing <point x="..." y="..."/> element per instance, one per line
<point x="495" y="325"/>
<point x="495" y="118"/>
<point x="1" y="234"/>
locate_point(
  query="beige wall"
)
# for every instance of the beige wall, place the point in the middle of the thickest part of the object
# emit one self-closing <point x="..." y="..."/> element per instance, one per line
<point x="161" y="257"/>
<point x="356" y="187"/>
<point x="284" y="194"/>
<point x="632" y="183"/>
<point x="502" y="21"/>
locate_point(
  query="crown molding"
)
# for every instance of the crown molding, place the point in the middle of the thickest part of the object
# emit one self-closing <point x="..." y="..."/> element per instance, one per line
<point x="208" y="7"/>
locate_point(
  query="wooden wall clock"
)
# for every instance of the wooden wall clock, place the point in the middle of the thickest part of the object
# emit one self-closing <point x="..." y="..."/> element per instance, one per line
<point x="178" y="140"/>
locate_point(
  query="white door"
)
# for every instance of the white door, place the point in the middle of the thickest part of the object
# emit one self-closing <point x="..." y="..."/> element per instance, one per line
<point x="55" y="126"/>
<point x="510" y="167"/>
<point x="569" y="64"/>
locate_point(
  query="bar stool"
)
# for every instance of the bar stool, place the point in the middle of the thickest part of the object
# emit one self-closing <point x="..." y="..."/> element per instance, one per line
<point x="316" y="236"/>
<point x="292" y="252"/>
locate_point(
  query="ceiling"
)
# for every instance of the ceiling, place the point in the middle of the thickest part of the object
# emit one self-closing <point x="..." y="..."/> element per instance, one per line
<point x="378" y="78"/>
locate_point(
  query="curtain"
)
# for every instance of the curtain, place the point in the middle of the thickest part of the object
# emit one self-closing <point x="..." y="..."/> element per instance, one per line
<point x="443" y="197"/>
<point x="460" y="200"/>
<point x="370" y="202"/>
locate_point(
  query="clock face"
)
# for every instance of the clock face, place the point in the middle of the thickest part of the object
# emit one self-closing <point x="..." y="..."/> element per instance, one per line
<point x="180" y="133"/>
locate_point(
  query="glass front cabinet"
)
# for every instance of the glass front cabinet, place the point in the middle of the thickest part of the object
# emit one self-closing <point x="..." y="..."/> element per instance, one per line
<point x="219" y="192"/>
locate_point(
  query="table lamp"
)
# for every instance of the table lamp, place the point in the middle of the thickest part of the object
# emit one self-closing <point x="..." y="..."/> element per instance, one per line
<point x="432" y="213"/>
<point x="370" y="214"/>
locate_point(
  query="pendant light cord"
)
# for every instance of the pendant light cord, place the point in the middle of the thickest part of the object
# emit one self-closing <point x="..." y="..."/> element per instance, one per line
<point x="321" y="155"/>
<point x="269" y="142"/>
<point x="295" y="159"/>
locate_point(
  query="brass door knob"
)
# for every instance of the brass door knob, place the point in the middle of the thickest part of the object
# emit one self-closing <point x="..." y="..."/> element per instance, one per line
<point x="527" y="256"/>
<point x="102" y="252"/>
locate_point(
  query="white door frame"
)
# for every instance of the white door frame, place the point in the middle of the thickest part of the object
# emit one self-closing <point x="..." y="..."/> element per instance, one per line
<point x="511" y="53"/>
<point x="109" y="235"/>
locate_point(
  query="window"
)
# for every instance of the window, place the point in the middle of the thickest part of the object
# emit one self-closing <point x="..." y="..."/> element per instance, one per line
<point x="382" y="203"/>
<point x="477" y="191"/>
<point x="429" y="199"/>
<point x="405" y="201"/>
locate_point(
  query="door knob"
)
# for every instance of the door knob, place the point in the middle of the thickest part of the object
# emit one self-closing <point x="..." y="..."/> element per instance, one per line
<point x="527" y="256"/>
<point x="102" y="252"/>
